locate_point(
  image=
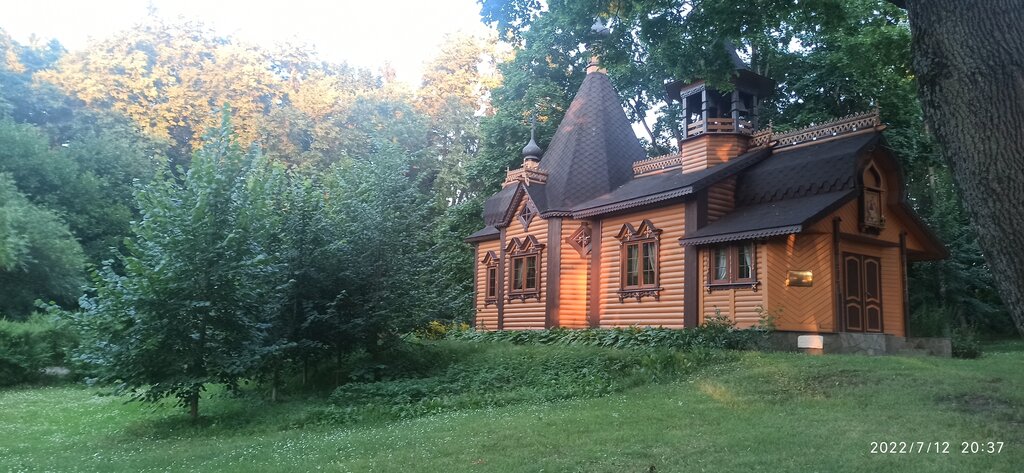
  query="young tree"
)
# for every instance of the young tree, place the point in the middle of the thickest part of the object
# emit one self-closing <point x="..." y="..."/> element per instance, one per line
<point x="189" y="309"/>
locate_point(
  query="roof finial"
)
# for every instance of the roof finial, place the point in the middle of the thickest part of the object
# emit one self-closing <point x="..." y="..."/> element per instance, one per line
<point x="601" y="32"/>
<point x="532" y="151"/>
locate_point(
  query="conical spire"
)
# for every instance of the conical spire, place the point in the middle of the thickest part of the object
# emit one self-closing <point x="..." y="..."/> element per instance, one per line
<point x="594" y="148"/>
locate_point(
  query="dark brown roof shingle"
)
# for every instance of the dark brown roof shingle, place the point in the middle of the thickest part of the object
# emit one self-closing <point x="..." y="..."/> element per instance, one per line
<point x="593" y="149"/>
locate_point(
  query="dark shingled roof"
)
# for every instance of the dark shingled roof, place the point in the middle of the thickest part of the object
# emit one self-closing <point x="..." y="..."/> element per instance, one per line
<point x="806" y="170"/>
<point x="769" y="219"/>
<point x="666" y="185"/>
<point x="593" y="149"/>
<point x="486" y="233"/>
<point x="795" y="187"/>
<point x="497" y="205"/>
<point x="538" y="194"/>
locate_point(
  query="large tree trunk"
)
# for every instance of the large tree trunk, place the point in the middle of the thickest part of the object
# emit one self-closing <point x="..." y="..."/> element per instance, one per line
<point x="968" y="58"/>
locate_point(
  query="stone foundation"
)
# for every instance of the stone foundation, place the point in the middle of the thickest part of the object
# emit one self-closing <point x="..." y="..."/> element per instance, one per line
<point x="866" y="344"/>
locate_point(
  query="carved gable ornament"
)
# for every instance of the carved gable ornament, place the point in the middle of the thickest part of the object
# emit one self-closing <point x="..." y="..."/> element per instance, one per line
<point x="581" y="240"/>
<point x="645" y="231"/>
<point x="526" y="216"/>
<point x="527" y="244"/>
<point x="489" y="259"/>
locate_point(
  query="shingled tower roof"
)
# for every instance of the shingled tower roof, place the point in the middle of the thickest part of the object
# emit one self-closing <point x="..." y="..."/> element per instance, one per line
<point x="593" y="149"/>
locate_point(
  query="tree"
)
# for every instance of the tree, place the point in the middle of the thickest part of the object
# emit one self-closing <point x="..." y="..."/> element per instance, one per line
<point x="39" y="258"/>
<point x="171" y="79"/>
<point x="196" y="288"/>
<point x="968" y="58"/>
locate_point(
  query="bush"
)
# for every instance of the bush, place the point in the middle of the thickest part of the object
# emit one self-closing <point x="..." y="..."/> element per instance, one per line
<point x="717" y="332"/>
<point x="965" y="342"/>
<point x="28" y="347"/>
<point x="931" y="321"/>
<point x="471" y="375"/>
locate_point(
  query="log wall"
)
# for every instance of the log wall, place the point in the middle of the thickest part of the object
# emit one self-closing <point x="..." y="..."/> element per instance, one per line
<point x="574" y="292"/>
<point x="805" y="309"/>
<point x="667" y="311"/>
<point x="708" y="150"/>
<point x="486" y="315"/>
<point x="531" y="313"/>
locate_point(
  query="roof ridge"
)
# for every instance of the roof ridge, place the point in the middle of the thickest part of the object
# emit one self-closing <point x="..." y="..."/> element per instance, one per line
<point x="840" y="126"/>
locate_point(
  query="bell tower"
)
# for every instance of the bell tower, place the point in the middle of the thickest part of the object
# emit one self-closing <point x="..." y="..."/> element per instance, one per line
<point x="717" y="125"/>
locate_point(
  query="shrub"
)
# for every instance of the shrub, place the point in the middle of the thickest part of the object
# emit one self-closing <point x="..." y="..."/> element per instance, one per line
<point x="965" y="342"/>
<point x="716" y="333"/>
<point x="483" y="376"/>
<point x="28" y="347"/>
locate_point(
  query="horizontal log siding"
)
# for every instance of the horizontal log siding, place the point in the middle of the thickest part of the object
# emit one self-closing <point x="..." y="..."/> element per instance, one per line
<point x="806" y="309"/>
<point x="742" y="304"/>
<point x="668" y="310"/>
<point x="892" y="284"/>
<point x="486" y="315"/>
<point x="721" y="199"/>
<point x="711" y="149"/>
<point x="528" y="314"/>
<point x="573" y="288"/>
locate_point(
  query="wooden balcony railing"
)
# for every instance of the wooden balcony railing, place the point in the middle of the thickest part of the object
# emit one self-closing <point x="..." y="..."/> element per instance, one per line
<point x="719" y="125"/>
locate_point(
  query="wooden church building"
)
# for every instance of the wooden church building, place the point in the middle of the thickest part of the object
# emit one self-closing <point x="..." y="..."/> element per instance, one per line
<point x="810" y="226"/>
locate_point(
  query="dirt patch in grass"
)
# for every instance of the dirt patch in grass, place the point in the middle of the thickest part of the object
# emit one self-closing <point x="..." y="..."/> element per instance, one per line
<point x="978" y="404"/>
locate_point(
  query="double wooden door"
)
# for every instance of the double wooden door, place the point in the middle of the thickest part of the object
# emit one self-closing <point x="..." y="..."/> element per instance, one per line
<point x="862" y="293"/>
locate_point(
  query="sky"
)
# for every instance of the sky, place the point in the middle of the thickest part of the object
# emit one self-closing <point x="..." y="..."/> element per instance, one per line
<point x="364" y="33"/>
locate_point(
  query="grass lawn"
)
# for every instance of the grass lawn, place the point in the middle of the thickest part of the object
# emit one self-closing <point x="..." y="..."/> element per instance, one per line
<point x="763" y="412"/>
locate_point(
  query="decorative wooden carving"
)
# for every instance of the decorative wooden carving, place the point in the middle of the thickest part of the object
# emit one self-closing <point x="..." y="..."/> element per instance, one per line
<point x="526" y="216"/>
<point x="847" y="124"/>
<point x="526" y="247"/>
<point x="641" y="237"/>
<point x="581" y="240"/>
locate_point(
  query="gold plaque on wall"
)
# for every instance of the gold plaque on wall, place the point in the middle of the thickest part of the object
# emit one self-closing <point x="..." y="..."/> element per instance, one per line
<point x="800" y="278"/>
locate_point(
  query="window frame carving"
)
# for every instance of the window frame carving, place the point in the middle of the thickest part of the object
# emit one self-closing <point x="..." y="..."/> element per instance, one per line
<point x="732" y="265"/>
<point x="490" y="262"/>
<point x="872" y="192"/>
<point x="639" y="237"/>
<point x="524" y="248"/>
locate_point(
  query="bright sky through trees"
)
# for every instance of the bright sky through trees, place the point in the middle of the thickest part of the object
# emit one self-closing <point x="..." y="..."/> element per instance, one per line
<point x="363" y="33"/>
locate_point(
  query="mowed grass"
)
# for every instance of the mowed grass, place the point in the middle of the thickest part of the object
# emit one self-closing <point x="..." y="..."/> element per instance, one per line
<point x="762" y="412"/>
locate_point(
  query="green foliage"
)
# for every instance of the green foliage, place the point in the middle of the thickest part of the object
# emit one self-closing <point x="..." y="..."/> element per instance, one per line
<point x="39" y="257"/>
<point x="27" y="347"/>
<point x="717" y="333"/>
<point x="966" y="343"/>
<point x="188" y="310"/>
<point x="485" y="376"/>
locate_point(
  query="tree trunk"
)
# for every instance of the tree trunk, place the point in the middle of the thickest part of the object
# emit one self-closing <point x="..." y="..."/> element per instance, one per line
<point x="193" y="407"/>
<point x="968" y="57"/>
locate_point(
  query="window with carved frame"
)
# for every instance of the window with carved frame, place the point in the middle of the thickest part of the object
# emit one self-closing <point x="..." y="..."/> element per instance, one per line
<point x="490" y="262"/>
<point x="640" y="262"/>
<point x="732" y="265"/>
<point x="524" y="268"/>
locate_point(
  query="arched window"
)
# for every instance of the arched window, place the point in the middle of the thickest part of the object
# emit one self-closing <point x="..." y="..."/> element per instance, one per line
<point x="872" y="200"/>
